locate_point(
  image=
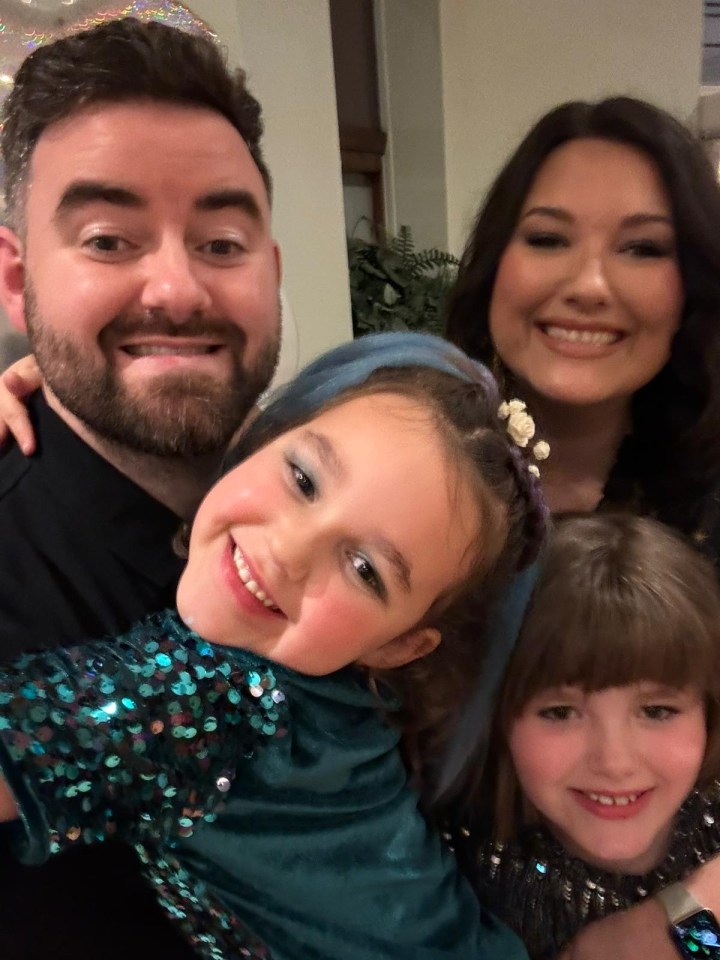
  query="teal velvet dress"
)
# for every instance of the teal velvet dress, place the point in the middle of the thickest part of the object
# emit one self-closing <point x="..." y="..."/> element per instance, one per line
<point x="270" y="810"/>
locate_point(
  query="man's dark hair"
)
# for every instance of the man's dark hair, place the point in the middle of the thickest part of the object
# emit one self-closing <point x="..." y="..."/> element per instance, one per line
<point x="115" y="62"/>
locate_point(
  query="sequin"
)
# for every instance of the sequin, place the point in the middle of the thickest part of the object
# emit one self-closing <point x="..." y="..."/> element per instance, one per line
<point x="150" y="764"/>
<point x="546" y="895"/>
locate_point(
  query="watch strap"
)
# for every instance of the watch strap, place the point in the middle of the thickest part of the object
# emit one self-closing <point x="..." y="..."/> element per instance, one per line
<point x="678" y="902"/>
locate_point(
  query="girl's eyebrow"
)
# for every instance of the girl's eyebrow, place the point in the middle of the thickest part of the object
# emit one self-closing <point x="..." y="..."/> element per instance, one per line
<point x="397" y="561"/>
<point x="330" y="459"/>
<point x="326" y="453"/>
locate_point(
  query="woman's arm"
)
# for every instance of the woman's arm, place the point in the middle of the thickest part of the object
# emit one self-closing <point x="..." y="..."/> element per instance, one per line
<point x="17" y="382"/>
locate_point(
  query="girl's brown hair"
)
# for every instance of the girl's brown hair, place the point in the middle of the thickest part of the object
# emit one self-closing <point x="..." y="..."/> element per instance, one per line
<point x="620" y="599"/>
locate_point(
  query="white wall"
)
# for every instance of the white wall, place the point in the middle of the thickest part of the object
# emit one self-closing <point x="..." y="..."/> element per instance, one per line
<point x="285" y="46"/>
<point x="409" y="67"/>
<point x="505" y="62"/>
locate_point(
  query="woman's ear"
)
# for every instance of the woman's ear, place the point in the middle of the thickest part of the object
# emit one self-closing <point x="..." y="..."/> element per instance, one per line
<point x="403" y="649"/>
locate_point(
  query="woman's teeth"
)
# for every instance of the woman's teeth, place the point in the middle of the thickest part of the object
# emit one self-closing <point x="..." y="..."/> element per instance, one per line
<point x="597" y="338"/>
<point x="251" y="585"/>
<point x="617" y="801"/>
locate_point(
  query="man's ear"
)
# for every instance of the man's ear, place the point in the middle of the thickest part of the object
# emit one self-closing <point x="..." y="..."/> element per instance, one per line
<point x="12" y="278"/>
<point x="403" y="649"/>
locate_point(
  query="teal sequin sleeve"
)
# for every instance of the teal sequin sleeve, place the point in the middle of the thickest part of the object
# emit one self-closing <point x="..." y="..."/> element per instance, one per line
<point x="138" y="738"/>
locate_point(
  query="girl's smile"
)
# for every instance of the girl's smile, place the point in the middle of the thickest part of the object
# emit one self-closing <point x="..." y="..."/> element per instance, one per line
<point x="609" y="770"/>
<point x="313" y="552"/>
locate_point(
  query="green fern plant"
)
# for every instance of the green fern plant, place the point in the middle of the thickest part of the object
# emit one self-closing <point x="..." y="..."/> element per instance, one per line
<point x="393" y="286"/>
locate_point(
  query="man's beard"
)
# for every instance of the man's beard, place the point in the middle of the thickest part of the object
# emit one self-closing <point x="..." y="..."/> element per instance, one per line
<point x="179" y="414"/>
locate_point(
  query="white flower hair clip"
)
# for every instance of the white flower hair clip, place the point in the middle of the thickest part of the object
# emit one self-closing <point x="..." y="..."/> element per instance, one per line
<point x="521" y="427"/>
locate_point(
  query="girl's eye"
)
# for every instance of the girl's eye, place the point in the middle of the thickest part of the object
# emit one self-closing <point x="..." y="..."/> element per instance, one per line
<point x="368" y="574"/>
<point x="303" y="482"/>
<point x="546" y="240"/>
<point x="659" y="711"/>
<point x="646" y="249"/>
<point x="557" y="713"/>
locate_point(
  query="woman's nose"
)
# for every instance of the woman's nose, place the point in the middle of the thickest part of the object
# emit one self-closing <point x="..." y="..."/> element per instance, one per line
<point x="587" y="286"/>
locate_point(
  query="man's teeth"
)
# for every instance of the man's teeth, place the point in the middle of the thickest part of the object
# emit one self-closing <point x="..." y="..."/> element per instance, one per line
<point x="141" y="350"/>
<point x="250" y="584"/>
<point x="598" y="338"/>
<point x="617" y="801"/>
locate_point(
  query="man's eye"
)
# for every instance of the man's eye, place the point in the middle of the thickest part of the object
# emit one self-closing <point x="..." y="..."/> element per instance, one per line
<point x="303" y="482"/>
<point x="223" y="248"/>
<point x="106" y="243"/>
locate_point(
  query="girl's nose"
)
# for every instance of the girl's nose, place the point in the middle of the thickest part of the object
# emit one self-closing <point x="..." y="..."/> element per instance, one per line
<point x="611" y="752"/>
<point x="291" y="551"/>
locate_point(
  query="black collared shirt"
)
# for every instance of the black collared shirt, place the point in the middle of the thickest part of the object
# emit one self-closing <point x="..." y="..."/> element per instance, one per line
<point x="84" y="553"/>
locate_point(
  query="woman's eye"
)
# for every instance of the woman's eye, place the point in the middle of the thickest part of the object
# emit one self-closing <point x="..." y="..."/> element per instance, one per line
<point x="545" y="240"/>
<point x="659" y="711"/>
<point x="303" y="482"/>
<point x="557" y="713"/>
<point x="646" y="249"/>
<point x="367" y="573"/>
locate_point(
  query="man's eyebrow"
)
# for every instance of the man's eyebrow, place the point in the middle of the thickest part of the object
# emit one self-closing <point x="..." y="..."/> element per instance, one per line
<point x="242" y="200"/>
<point x="82" y="192"/>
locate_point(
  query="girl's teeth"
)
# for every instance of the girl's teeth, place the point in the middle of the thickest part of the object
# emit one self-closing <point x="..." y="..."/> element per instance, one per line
<point x="598" y="338"/>
<point x="618" y="801"/>
<point x="250" y="585"/>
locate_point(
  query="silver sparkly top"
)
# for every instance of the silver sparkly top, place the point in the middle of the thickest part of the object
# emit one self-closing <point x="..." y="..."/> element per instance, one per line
<point x="547" y="896"/>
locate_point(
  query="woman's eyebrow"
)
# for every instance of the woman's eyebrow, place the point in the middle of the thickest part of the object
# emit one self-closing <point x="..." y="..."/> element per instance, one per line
<point x="558" y="213"/>
<point x="640" y="219"/>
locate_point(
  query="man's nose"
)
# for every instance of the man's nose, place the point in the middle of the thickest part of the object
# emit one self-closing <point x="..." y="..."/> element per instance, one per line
<point x="173" y="283"/>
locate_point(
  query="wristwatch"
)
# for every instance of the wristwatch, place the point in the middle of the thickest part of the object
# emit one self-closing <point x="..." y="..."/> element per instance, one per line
<point x="693" y="928"/>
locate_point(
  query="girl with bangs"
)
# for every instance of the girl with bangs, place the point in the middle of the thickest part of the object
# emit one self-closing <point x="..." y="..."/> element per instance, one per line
<point x="601" y="785"/>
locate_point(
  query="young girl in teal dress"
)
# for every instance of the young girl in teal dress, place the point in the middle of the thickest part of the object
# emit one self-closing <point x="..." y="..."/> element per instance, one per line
<point x="247" y="744"/>
<point x="601" y="786"/>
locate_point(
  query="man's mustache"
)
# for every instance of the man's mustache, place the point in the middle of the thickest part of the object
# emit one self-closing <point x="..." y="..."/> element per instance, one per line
<point x="157" y="324"/>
